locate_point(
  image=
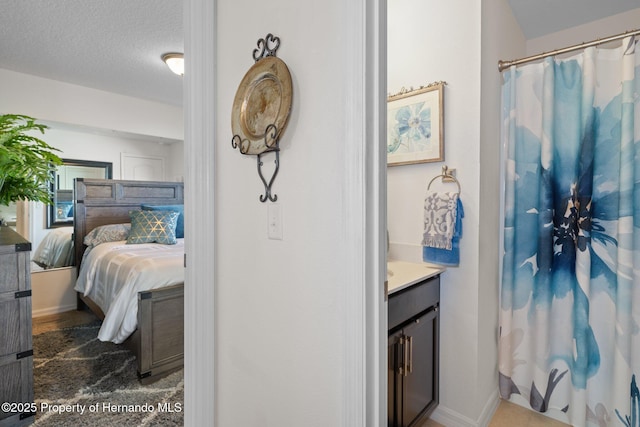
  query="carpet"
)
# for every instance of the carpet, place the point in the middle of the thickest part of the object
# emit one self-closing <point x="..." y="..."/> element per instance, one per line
<point x="81" y="381"/>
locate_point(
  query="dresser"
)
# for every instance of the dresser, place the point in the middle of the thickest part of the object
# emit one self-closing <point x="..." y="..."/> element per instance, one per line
<point x="16" y="350"/>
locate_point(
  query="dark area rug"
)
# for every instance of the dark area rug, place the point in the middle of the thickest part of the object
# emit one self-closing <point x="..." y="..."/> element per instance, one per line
<point x="81" y="381"/>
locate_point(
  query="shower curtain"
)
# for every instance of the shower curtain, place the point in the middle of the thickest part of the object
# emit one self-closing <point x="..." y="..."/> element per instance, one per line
<point x="570" y="297"/>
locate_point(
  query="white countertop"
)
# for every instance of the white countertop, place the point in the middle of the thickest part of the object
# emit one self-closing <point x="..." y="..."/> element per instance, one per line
<point x="402" y="274"/>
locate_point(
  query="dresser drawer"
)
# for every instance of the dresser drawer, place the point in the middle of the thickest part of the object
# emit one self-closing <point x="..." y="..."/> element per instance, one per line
<point x="413" y="300"/>
<point x="17" y="387"/>
<point x="15" y="324"/>
<point x="11" y="273"/>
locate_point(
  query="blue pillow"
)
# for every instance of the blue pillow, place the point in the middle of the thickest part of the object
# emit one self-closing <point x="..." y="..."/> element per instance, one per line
<point x="153" y="227"/>
<point x="174" y="208"/>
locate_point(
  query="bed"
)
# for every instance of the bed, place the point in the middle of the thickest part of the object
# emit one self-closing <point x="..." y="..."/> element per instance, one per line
<point x="56" y="249"/>
<point x="150" y="321"/>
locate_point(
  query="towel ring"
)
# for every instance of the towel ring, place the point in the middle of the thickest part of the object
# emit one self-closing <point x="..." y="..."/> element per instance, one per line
<point x="445" y="174"/>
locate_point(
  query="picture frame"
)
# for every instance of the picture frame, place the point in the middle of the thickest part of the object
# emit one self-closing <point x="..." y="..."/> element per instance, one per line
<point x="415" y="125"/>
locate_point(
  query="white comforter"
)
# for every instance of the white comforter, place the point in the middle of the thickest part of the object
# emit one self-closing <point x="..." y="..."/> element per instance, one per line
<point x="113" y="273"/>
<point x="56" y="249"/>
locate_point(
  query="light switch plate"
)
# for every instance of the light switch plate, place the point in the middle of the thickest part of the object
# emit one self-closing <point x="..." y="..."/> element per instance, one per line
<point x="274" y="221"/>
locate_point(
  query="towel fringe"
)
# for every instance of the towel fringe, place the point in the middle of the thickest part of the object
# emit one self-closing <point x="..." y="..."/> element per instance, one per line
<point x="435" y="242"/>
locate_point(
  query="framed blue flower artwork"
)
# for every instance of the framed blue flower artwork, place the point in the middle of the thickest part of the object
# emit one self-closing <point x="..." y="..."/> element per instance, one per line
<point x="415" y="125"/>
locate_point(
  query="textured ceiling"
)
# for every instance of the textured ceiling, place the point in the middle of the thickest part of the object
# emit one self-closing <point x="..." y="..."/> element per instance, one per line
<point x="112" y="45"/>
<point x="116" y="45"/>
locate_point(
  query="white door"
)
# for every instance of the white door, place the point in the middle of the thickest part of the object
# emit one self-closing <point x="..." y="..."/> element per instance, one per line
<point x="141" y="168"/>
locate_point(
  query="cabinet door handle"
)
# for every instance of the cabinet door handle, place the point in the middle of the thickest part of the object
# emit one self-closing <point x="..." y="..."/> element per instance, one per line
<point x="405" y="355"/>
<point x="402" y="360"/>
<point x="409" y="365"/>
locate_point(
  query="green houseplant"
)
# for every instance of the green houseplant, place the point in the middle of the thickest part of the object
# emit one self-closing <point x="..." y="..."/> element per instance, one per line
<point x="26" y="162"/>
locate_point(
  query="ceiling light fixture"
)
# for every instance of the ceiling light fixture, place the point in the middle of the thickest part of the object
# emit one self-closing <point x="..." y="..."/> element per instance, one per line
<point x="175" y="62"/>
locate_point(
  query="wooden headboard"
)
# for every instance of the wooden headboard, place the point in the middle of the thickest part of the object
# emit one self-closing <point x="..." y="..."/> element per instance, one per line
<point x="108" y="201"/>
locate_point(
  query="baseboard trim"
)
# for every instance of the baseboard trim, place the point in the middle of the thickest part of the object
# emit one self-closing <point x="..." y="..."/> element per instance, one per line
<point x="52" y="310"/>
<point x="489" y="409"/>
<point x="449" y="417"/>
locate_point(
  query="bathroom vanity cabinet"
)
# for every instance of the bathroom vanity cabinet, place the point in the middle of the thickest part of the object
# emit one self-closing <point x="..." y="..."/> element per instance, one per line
<point x="16" y="350"/>
<point x="413" y="352"/>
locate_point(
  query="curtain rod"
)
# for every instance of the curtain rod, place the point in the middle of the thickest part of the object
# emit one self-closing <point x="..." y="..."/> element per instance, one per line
<point x="506" y="64"/>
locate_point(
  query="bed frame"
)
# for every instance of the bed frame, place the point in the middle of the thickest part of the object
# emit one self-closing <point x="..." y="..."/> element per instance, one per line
<point x="158" y="342"/>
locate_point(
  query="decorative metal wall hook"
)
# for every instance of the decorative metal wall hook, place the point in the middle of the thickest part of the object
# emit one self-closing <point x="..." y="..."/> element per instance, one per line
<point x="261" y="109"/>
<point x="270" y="141"/>
<point x="266" y="47"/>
<point x="267" y="186"/>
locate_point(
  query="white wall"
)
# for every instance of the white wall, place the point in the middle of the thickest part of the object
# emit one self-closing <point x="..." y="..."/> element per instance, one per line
<point x="52" y="291"/>
<point x="425" y="46"/>
<point x="106" y="147"/>
<point x="174" y="165"/>
<point x="60" y="102"/>
<point x="283" y="307"/>
<point x="87" y="124"/>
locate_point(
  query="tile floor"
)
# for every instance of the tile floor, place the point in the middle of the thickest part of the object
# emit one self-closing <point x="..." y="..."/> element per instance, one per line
<point x="511" y="415"/>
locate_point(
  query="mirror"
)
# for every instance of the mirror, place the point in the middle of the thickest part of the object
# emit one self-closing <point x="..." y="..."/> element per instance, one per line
<point x="60" y="213"/>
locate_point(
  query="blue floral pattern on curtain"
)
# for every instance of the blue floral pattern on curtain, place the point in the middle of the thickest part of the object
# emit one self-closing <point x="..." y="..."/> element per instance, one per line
<point x="570" y="302"/>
